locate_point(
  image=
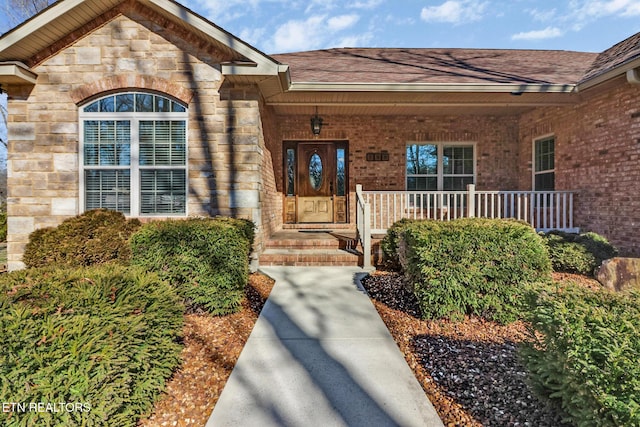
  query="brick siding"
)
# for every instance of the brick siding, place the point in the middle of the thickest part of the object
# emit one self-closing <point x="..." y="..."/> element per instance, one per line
<point x="597" y="155"/>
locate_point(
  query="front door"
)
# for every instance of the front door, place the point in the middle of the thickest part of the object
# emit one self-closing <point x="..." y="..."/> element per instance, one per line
<point x="315" y="181"/>
<point x="316" y="173"/>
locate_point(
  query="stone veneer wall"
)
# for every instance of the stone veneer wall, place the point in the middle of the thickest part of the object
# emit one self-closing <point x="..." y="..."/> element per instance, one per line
<point x="128" y="50"/>
<point x="598" y="156"/>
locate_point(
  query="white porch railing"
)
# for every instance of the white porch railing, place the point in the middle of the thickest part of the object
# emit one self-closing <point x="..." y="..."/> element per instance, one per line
<point x="548" y="210"/>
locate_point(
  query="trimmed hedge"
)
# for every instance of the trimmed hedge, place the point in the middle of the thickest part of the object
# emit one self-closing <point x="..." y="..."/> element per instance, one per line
<point x="578" y="253"/>
<point x="585" y="353"/>
<point x="104" y="338"/>
<point x="206" y="260"/>
<point x="472" y="266"/>
<point x="389" y="243"/>
<point x="3" y="223"/>
<point x="95" y="237"/>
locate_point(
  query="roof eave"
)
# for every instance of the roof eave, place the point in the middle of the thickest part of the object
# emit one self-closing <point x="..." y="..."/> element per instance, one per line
<point x="513" y="88"/>
<point x="260" y="63"/>
<point x="36" y="22"/>
<point x="608" y="75"/>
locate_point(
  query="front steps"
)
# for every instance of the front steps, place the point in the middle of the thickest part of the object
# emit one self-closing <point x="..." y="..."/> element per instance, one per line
<point x="312" y="246"/>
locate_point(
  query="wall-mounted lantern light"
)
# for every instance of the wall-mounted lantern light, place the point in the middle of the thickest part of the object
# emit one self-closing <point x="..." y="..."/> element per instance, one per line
<point x="316" y="123"/>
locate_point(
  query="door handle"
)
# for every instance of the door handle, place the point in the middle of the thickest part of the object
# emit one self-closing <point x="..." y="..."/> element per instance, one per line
<point x="331" y="187"/>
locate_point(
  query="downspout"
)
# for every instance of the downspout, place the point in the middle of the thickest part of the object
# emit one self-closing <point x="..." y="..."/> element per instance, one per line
<point x="633" y="76"/>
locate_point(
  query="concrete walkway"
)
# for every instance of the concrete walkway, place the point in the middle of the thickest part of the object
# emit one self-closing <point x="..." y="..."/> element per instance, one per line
<point x="320" y="355"/>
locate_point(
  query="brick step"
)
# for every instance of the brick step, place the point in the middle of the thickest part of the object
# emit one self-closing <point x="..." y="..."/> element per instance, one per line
<point x="309" y="257"/>
<point x="314" y="226"/>
<point x="338" y="243"/>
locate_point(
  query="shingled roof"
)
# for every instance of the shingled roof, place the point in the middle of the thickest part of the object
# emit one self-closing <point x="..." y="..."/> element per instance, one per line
<point x="451" y="66"/>
<point x="620" y="54"/>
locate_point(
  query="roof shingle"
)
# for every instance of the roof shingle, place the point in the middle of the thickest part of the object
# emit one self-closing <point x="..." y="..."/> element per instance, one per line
<point x="619" y="54"/>
<point x="453" y="66"/>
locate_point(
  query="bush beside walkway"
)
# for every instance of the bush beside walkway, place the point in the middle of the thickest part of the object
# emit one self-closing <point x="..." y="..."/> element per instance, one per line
<point x="95" y="345"/>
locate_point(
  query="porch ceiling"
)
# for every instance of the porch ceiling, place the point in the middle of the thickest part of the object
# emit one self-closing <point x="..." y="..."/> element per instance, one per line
<point x="414" y="103"/>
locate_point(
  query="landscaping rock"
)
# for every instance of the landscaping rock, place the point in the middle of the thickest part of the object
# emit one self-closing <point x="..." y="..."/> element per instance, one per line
<point x="619" y="274"/>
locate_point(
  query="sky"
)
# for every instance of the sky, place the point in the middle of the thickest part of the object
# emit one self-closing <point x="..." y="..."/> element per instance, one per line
<point x="280" y="26"/>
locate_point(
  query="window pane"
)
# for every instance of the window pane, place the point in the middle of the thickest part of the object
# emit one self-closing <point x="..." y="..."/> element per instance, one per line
<point x="422" y="183"/>
<point x="162" y="142"/>
<point x="144" y="103"/>
<point x="107" y="143"/>
<point x="315" y="172"/>
<point x="163" y="105"/>
<point x="162" y="132"/>
<point x="291" y="161"/>
<point x="124" y="103"/>
<point x="177" y="108"/>
<point x="341" y="178"/>
<point x="422" y="159"/>
<point x="457" y="160"/>
<point x="108" y="189"/>
<point x="107" y="105"/>
<point x="545" y="181"/>
<point x="456" y="183"/>
<point x="93" y="107"/>
<point x="545" y="154"/>
<point x="163" y="191"/>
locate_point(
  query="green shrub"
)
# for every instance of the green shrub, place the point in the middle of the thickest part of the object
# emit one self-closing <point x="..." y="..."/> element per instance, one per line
<point x="3" y="223"/>
<point x="472" y="266"/>
<point x="585" y="353"/>
<point x="207" y="260"/>
<point x="104" y="337"/>
<point x="95" y="237"/>
<point x="578" y="253"/>
<point x="389" y="243"/>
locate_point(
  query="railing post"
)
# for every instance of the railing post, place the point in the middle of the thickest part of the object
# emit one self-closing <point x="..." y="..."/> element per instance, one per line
<point x="471" y="200"/>
<point x="363" y="221"/>
<point x="366" y="239"/>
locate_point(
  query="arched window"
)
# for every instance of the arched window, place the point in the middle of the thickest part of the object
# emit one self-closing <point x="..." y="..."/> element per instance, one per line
<point x="133" y="154"/>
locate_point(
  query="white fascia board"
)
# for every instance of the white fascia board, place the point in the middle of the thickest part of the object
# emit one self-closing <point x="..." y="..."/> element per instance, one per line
<point x="265" y="64"/>
<point x="432" y="87"/>
<point x="16" y="72"/>
<point x="252" y="70"/>
<point x="58" y="9"/>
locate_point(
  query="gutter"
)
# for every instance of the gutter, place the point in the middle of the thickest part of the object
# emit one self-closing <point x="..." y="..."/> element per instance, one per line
<point x="515" y="89"/>
<point x="631" y="69"/>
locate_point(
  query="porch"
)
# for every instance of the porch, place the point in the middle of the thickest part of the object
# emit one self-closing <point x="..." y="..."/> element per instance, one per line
<point x="376" y="211"/>
<point x="339" y="244"/>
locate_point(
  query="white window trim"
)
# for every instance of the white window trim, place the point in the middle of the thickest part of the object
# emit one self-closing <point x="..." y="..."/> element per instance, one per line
<point x="533" y="158"/>
<point x="134" y="167"/>
<point x="441" y="175"/>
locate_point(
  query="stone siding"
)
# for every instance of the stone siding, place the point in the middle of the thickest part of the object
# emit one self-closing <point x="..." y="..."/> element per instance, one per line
<point x="130" y="49"/>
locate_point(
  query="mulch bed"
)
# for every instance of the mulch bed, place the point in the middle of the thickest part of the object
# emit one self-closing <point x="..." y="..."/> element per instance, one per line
<point x="469" y="370"/>
<point x="212" y="346"/>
